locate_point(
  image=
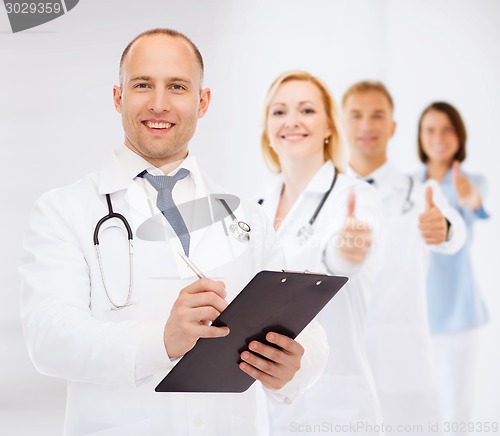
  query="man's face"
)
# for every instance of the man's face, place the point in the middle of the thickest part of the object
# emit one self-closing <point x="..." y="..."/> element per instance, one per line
<point x="368" y="124"/>
<point x="160" y="98"/>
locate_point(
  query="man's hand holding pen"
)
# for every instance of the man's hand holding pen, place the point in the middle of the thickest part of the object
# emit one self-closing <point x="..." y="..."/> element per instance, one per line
<point x="192" y="313"/>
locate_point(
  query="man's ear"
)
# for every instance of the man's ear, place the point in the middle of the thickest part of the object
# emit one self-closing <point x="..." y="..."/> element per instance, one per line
<point x="393" y="130"/>
<point x="205" y="96"/>
<point x="117" y="98"/>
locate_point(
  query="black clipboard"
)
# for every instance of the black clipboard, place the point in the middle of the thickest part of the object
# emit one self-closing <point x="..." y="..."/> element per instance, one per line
<point x="283" y="302"/>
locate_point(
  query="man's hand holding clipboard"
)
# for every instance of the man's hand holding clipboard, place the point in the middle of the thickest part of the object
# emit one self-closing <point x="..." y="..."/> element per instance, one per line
<point x="227" y="347"/>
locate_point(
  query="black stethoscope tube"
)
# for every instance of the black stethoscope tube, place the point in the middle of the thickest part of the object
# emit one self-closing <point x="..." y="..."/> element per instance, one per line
<point x="108" y="217"/>
<point x="322" y="202"/>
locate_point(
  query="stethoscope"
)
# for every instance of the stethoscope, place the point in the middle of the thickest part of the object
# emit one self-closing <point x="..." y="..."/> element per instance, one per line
<point x="130" y="237"/>
<point x="408" y="203"/>
<point x="306" y="231"/>
<point x="239" y="230"/>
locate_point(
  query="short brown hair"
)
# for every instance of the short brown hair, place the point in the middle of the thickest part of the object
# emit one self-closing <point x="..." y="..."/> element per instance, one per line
<point x="333" y="149"/>
<point x="365" y="86"/>
<point x="166" y="32"/>
<point x="458" y="125"/>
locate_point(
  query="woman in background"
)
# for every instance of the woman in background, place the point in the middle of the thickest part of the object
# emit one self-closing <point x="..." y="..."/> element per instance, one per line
<point x="456" y="309"/>
<point x="325" y="221"/>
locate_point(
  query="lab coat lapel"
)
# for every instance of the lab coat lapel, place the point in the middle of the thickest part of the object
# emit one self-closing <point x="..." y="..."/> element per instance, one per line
<point x="144" y="217"/>
<point x="112" y="176"/>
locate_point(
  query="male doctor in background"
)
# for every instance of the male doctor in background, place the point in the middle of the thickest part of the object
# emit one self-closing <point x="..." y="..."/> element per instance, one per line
<point x="80" y="327"/>
<point x="417" y="218"/>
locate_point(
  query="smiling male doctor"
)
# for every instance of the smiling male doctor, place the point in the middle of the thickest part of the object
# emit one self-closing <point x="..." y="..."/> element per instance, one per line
<point x="417" y="218"/>
<point x="113" y="359"/>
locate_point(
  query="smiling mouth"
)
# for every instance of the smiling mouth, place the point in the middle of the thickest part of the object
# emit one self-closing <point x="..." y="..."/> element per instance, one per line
<point x="157" y="126"/>
<point x="294" y="136"/>
<point x="440" y="147"/>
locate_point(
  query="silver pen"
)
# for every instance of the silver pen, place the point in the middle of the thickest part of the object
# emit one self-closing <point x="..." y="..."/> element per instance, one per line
<point x="192" y="266"/>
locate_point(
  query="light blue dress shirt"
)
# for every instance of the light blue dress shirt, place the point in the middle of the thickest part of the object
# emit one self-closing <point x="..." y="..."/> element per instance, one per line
<point x="454" y="301"/>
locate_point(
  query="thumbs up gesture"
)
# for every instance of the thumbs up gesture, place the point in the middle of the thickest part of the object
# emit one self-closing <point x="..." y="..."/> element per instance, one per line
<point x="356" y="237"/>
<point x="468" y="196"/>
<point x="431" y="222"/>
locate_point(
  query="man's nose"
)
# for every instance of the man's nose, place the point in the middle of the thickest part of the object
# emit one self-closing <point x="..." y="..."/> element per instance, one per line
<point x="160" y="101"/>
<point x="366" y="123"/>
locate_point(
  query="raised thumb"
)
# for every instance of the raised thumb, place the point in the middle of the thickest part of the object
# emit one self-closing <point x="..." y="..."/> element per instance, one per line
<point x="428" y="198"/>
<point x="351" y="204"/>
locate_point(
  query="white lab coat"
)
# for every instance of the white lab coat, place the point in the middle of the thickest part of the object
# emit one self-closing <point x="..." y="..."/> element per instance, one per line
<point x="113" y="359"/>
<point x="345" y="394"/>
<point x="398" y="336"/>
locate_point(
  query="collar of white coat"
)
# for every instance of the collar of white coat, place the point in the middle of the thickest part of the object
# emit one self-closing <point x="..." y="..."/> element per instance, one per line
<point x="320" y="183"/>
<point x="323" y="178"/>
<point x="387" y="179"/>
<point x="123" y="166"/>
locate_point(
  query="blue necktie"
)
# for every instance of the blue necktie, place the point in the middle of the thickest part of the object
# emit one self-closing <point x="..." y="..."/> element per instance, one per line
<point x="164" y="185"/>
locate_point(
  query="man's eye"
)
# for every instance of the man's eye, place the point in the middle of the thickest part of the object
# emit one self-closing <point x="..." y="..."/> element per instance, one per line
<point x="177" y="87"/>
<point x="141" y="85"/>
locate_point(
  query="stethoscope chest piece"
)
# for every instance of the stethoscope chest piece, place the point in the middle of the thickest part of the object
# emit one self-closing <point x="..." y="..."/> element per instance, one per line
<point x="304" y="233"/>
<point x="240" y="230"/>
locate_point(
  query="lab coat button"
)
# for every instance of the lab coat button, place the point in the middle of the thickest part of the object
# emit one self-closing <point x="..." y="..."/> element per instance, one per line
<point x="197" y="422"/>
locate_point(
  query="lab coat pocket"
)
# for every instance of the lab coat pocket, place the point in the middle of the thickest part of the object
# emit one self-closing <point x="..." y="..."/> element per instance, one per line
<point x="138" y="428"/>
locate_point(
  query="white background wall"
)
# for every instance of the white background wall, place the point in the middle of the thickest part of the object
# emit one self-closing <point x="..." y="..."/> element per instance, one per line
<point x="57" y="120"/>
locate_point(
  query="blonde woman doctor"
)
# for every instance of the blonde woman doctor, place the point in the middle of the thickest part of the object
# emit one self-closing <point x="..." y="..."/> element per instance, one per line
<point x="325" y="221"/>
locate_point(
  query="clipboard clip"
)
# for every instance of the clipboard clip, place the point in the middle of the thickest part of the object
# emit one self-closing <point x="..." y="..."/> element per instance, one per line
<point x="306" y="271"/>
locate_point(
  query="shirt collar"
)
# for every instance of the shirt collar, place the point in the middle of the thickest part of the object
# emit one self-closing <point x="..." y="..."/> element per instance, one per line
<point x="131" y="162"/>
<point x="124" y="165"/>
<point x="381" y="174"/>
